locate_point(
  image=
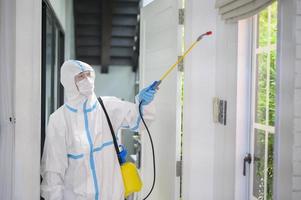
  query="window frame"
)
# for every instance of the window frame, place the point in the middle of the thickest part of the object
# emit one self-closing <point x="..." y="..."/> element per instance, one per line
<point x="266" y="128"/>
<point x="283" y="151"/>
<point x="57" y="59"/>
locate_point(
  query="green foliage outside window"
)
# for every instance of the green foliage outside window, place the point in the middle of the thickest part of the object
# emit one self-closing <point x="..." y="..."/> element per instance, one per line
<point x="265" y="85"/>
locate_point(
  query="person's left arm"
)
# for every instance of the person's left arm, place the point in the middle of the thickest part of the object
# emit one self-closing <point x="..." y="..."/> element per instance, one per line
<point x="132" y="119"/>
<point x="125" y="115"/>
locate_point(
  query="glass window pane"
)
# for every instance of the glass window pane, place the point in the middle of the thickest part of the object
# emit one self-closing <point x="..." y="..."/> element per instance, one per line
<point x="265" y="105"/>
<point x="261" y="84"/>
<point x="49" y="75"/>
<point x="52" y="57"/>
<point x="55" y="69"/>
<point x="270" y="169"/>
<point x="262" y="29"/>
<point x="259" y="161"/>
<point x="272" y="85"/>
<point x="274" y="23"/>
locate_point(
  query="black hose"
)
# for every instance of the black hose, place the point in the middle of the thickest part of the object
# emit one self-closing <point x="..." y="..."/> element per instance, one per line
<point x="153" y="151"/>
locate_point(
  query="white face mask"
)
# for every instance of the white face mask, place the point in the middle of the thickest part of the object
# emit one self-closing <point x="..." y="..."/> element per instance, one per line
<point x="86" y="86"/>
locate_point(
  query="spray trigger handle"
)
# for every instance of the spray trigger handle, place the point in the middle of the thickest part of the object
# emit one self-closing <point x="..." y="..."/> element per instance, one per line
<point x="122" y="154"/>
<point x="154" y="85"/>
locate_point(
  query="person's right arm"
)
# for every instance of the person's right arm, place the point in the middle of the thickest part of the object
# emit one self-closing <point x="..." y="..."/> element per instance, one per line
<point x="54" y="161"/>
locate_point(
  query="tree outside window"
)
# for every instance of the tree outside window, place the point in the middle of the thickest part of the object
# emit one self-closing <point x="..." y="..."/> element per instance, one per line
<point x="264" y="107"/>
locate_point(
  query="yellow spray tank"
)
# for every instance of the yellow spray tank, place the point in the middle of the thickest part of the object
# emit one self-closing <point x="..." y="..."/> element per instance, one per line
<point x="131" y="179"/>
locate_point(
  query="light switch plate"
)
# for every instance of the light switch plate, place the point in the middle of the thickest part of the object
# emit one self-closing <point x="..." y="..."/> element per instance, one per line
<point x="215" y="102"/>
<point x="219" y="110"/>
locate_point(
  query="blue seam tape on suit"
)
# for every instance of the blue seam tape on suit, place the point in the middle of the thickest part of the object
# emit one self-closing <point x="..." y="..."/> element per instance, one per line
<point x="70" y="108"/>
<point x="92" y="162"/>
<point x="103" y="146"/>
<point x="77" y="156"/>
<point x="137" y="122"/>
<point x="93" y="107"/>
<point x="80" y="66"/>
<point x="75" y="110"/>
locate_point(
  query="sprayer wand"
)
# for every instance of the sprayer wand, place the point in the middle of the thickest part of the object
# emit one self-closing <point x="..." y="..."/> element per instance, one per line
<point x="157" y="83"/>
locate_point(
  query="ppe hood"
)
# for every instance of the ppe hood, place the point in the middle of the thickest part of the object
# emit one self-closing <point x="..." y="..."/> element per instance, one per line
<point x="69" y="70"/>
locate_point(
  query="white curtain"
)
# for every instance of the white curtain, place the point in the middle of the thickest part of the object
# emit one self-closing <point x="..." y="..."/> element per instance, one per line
<point x="234" y="10"/>
<point x="6" y="98"/>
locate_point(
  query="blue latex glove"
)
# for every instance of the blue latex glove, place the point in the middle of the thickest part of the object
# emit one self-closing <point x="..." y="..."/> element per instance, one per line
<point x="147" y="94"/>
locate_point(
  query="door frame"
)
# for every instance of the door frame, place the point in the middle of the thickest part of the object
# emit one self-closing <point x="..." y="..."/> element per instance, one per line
<point x="244" y="107"/>
<point x="283" y="172"/>
<point x="286" y="51"/>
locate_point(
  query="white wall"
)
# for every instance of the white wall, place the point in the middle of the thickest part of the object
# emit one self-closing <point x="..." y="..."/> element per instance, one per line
<point x="7" y="69"/>
<point x="27" y="99"/>
<point x="296" y="195"/>
<point x="199" y="87"/>
<point x="211" y="70"/>
<point x="226" y="88"/>
<point x="119" y="82"/>
<point x="286" y="51"/>
<point x="28" y="93"/>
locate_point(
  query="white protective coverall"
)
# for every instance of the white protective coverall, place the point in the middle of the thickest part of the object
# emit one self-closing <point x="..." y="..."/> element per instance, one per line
<point x="79" y="160"/>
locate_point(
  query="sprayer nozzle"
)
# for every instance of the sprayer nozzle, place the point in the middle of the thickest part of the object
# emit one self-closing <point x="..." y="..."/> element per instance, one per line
<point x="201" y="36"/>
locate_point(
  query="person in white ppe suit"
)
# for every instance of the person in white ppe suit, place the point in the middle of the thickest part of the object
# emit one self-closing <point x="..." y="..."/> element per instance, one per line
<point x="79" y="160"/>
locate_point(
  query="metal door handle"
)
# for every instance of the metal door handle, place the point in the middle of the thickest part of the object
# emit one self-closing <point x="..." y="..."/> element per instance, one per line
<point x="247" y="159"/>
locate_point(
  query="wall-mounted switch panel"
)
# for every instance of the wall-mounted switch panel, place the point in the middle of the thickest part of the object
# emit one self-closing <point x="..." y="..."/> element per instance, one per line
<point x="219" y="111"/>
